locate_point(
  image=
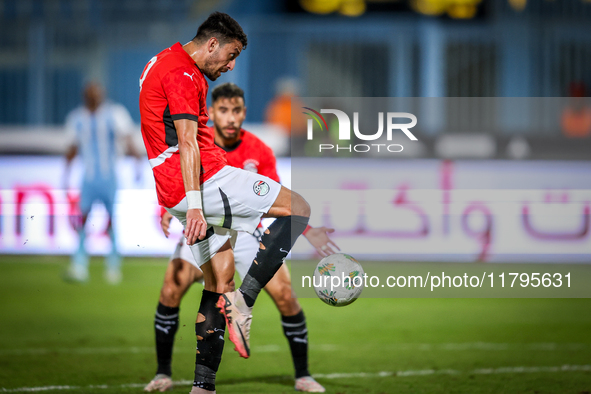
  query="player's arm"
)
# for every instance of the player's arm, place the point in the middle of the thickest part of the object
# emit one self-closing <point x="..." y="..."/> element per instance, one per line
<point x="195" y="226"/>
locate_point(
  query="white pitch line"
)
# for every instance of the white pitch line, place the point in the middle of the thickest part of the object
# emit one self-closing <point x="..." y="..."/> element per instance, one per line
<point x="481" y="371"/>
<point x="349" y="375"/>
<point x="98" y="350"/>
<point x="274" y="348"/>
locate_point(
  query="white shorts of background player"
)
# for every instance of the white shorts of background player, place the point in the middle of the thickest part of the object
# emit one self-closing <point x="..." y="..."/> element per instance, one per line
<point x="245" y="249"/>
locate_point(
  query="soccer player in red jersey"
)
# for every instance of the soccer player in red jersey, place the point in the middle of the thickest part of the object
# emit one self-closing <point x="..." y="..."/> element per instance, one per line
<point x="212" y="200"/>
<point x="243" y="150"/>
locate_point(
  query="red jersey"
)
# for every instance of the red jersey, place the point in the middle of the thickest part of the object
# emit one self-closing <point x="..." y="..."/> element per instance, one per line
<point x="252" y="154"/>
<point x="171" y="88"/>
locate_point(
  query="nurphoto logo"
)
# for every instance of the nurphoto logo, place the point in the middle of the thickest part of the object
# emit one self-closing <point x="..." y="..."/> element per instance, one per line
<point x="344" y="130"/>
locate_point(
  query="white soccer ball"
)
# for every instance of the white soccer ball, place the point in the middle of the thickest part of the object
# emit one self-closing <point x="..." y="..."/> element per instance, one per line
<point x="338" y="279"/>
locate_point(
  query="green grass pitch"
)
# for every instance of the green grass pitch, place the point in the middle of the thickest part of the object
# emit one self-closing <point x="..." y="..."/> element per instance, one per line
<point x="96" y="338"/>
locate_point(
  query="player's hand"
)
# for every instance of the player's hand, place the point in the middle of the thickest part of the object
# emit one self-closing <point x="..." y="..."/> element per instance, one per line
<point x="165" y="223"/>
<point x="318" y="237"/>
<point x="195" y="227"/>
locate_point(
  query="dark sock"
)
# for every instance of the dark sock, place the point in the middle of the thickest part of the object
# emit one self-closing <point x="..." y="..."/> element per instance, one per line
<point x="294" y="328"/>
<point x="275" y="244"/>
<point x="210" y="341"/>
<point x="166" y="323"/>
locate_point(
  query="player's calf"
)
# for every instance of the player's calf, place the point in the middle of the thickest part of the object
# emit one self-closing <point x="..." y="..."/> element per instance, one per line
<point x="296" y="332"/>
<point x="294" y="326"/>
<point x="177" y="280"/>
<point x="286" y="302"/>
<point x="170" y="294"/>
<point x="166" y="322"/>
<point x="209" y="329"/>
<point x="292" y="213"/>
<point x="179" y="277"/>
<point x="275" y="245"/>
<point x="280" y="290"/>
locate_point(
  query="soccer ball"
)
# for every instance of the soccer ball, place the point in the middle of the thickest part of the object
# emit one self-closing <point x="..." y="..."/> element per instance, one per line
<point x="338" y="279"/>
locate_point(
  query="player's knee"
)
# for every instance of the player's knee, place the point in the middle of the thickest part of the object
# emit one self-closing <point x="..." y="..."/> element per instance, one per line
<point x="286" y="301"/>
<point x="290" y="204"/>
<point x="299" y="206"/>
<point x="170" y="295"/>
<point x="290" y="307"/>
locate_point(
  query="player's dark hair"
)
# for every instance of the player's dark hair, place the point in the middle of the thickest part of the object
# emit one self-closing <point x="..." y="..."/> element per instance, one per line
<point x="226" y="90"/>
<point x="223" y="27"/>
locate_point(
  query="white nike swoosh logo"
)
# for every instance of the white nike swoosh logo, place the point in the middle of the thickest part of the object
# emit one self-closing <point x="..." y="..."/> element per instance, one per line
<point x="284" y="251"/>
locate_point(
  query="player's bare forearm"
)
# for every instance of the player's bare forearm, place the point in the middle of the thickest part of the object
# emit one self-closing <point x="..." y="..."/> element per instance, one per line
<point x="189" y="151"/>
<point x="195" y="226"/>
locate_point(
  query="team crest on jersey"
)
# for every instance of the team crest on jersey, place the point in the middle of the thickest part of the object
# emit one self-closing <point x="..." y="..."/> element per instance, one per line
<point x="261" y="188"/>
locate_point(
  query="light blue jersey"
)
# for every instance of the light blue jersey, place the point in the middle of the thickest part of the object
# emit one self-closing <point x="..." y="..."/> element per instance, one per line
<point x="97" y="135"/>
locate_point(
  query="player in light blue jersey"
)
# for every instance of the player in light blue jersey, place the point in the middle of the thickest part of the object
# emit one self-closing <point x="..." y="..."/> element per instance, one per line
<point x="95" y="130"/>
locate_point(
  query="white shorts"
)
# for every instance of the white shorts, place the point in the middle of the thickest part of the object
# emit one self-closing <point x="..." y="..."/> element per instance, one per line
<point x="233" y="200"/>
<point x="245" y="250"/>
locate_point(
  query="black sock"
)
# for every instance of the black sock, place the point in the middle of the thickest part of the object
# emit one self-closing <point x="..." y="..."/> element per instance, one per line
<point x="294" y="328"/>
<point x="166" y="323"/>
<point x="210" y="331"/>
<point x="276" y="243"/>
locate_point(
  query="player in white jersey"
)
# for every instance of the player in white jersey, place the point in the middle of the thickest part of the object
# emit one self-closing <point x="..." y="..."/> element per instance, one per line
<point x="94" y="131"/>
